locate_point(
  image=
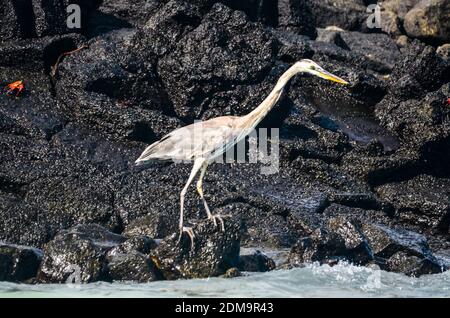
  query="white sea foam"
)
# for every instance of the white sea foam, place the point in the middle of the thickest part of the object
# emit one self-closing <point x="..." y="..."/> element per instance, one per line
<point x="341" y="280"/>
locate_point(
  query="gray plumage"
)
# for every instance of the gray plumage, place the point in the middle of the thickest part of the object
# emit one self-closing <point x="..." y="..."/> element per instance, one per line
<point x="201" y="142"/>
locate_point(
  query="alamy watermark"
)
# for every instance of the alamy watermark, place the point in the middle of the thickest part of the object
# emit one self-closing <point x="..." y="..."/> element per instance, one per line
<point x="74" y="278"/>
<point x="225" y="145"/>
<point x="374" y="19"/>
<point x="373" y="281"/>
<point x="74" y="17"/>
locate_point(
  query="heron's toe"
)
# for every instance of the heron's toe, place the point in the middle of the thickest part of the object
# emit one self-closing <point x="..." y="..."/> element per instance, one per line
<point x="219" y="217"/>
<point x="190" y="232"/>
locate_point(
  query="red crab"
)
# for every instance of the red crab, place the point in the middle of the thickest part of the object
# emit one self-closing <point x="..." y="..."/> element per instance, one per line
<point x="15" y="86"/>
<point x="448" y="101"/>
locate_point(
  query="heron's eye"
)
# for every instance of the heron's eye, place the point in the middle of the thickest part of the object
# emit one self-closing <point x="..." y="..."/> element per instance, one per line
<point x="313" y="67"/>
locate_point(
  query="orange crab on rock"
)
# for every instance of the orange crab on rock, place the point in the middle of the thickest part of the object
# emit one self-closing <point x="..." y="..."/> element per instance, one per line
<point x="19" y="86"/>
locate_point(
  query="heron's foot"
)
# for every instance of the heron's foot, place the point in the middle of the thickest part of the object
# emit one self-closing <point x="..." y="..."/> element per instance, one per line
<point x="190" y="232"/>
<point x="218" y="217"/>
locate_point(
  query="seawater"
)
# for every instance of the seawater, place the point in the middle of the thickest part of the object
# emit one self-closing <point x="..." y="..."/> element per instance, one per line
<point x="341" y="280"/>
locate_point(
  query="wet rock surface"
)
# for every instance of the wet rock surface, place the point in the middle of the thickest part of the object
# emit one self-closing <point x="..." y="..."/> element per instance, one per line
<point x="133" y="266"/>
<point x="78" y="255"/>
<point x="256" y="262"/>
<point x="401" y="251"/>
<point x="348" y="238"/>
<point x="363" y="174"/>
<point x="213" y="252"/>
<point x="18" y="263"/>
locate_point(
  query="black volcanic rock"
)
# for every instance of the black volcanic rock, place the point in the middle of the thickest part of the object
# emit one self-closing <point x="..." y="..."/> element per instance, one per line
<point x="401" y="251"/>
<point x="296" y="16"/>
<point x="422" y="122"/>
<point x="129" y="261"/>
<point x="377" y="48"/>
<point x="31" y="54"/>
<point x="428" y="20"/>
<point x="213" y="252"/>
<point x="320" y="247"/>
<point x="224" y="51"/>
<point x="423" y="64"/>
<point x="371" y="153"/>
<point x="264" y="11"/>
<point x="379" y="168"/>
<point x="332" y="36"/>
<point x="16" y="20"/>
<point x="115" y="13"/>
<point x="415" y="107"/>
<point x="63" y="194"/>
<point x="140" y="243"/>
<point x="113" y="94"/>
<point x="88" y="253"/>
<point x="26" y="19"/>
<point x="78" y="254"/>
<point x="338" y="238"/>
<point x="347" y="14"/>
<point x="352" y="239"/>
<point x="18" y="263"/>
<point x="169" y="24"/>
<point x="430" y="205"/>
<point x="256" y="262"/>
<point x="156" y="224"/>
<point x="51" y="15"/>
<point x="412" y="265"/>
<point x="132" y="266"/>
<point x="22" y="223"/>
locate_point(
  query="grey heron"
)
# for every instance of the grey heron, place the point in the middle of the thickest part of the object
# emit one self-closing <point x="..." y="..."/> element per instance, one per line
<point x="217" y="135"/>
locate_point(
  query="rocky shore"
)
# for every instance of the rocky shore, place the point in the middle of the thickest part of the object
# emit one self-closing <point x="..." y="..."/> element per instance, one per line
<point x="364" y="169"/>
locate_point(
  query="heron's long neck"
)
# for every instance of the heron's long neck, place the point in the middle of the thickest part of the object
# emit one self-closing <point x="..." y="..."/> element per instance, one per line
<point x="255" y="116"/>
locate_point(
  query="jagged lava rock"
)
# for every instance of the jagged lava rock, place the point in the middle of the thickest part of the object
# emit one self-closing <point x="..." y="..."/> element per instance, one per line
<point x="22" y="223"/>
<point x="77" y="134"/>
<point x="256" y="262"/>
<point x="132" y="266"/>
<point x="296" y="16"/>
<point x="415" y="106"/>
<point x="331" y="36"/>
<point x="401" y="251"/>
<point x="379" y="49"/>
<point x="319" y="247"/>
<point x="126" y="13"/>
<point x="26" y="19"/>
<point x="18" y="263"/>
<point x="347" y="14"/>
<point x="140" y="243"/>
<point x="339" y="239"/>
<point x="129" y="261"/>
<point x="429" y="20"/>
<point x="429" y="207"/>
<point x="114" y="93"/>
<point x="213" y="58"/>
<point x="80" y="251"/>
<point x="214" y="251"/>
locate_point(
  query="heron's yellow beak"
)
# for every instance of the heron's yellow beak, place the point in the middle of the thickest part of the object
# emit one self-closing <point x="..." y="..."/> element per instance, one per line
<point x="331" y="77"/>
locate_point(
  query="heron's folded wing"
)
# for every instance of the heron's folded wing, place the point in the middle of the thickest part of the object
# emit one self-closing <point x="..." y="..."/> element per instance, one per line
<point x="200" y="139"/>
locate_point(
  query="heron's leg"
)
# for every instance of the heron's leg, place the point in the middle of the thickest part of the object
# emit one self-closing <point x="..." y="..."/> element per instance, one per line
<point x="200" y="190"/>
<point x="213" y="217"/>
<point x="197" y="165"/>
